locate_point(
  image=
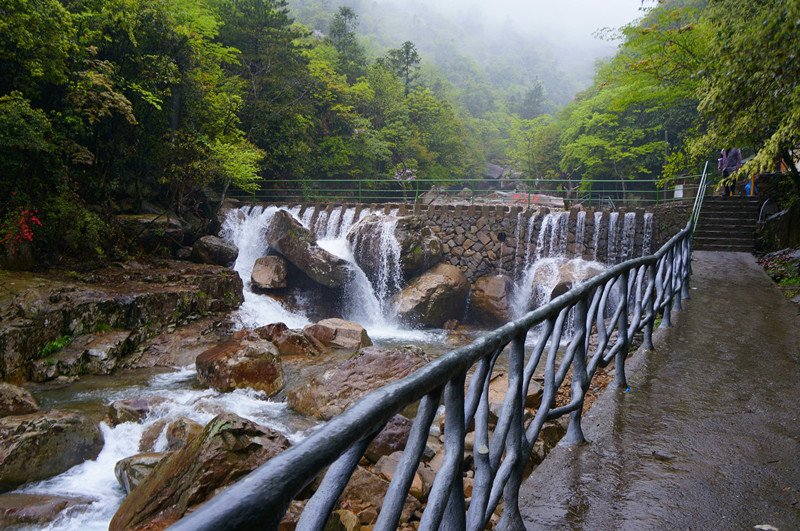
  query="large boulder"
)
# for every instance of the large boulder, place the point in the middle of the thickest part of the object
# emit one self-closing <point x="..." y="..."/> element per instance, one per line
<point x="41" y="445"/>
<point x="299" y="246"/>
<point x="290" y="342"/>
<point x="368" y="369"/>
<point x="132" y="470"/>
<point x="555" y="277"/>
<point x="238" y="364"/>
<point x="215" y="251"/>
<point x="392" y="438"/>
<point x="15" y="400"/>
<point x="20" y="509"/>
<point x="228" y="448"/>
<point x="268" y="273"/>
<point x="490" y="299"/>
<point x="419" y="249"/>
<point x="132" y="409"/>
<point x="433" y="297"/>
<point x="338" y="333"/>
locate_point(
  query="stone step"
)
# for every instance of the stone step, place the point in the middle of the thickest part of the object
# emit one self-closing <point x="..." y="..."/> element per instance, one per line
<point x="724" y="248"/>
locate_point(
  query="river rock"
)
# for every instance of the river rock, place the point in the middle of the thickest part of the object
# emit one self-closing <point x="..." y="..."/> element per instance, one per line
<point x="386" y="466"/>
<point x="181" y="432"/>
<point x="132" y="409"/>
<point x="392" y="438"/>
<point x="238" y="364"/>
<point x="228" y="448"/>
<point x="215" y="251"/>
<point x="368" y="369"/>
<point x="489" y="299"/>
<point x="366" y="488"/>
<point x="41" y="445"/>
<point x="433" y="297"/>
<point x="132" y="470"/>
<point x="338" y="333"/>
<point x="299" y="246"/>
<point x="418" y="249"/>
<point x="21" y="509"/>
<point x="269" y="272"/>
<point x="290" y="342"/>
<point x="15" y="400"/>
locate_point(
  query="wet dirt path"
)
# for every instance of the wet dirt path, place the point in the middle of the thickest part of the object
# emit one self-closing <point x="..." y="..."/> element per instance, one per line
<point x="707" y="437"/>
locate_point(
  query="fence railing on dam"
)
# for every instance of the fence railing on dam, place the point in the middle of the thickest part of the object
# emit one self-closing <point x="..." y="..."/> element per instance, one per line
<point x="619" y="303"/>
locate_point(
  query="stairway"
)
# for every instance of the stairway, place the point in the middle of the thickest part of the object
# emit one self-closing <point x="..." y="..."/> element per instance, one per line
<point x="727" y="224"/>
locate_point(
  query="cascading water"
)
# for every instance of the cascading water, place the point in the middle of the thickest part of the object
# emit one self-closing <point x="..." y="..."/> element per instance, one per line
<point x="647" y="233"/>
<point x="612" y="255"/>
<point x="598" y="216"/>
<point x="628" y="236"/>
<point x="347" y="222"/>
<point x="580" y="229"/>
<point x="332" y="227"/>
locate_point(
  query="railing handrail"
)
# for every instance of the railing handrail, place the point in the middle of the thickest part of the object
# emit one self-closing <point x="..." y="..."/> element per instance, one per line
<point x="698" y="200"/>
<point x="653" y="283"/>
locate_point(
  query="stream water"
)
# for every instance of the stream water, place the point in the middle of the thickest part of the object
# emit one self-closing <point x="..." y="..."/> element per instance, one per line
<point x="363" y="302"/>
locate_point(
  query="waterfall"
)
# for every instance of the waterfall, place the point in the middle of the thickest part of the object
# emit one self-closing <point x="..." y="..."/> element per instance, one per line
<point x="245" y="229"/>
<point x="331" y="230"/>
<point x="628" y="236"/>
<point x="647" y="233"/>
<point x="308" y="215"/>
<point x="580" y="229"/>
<point x="611" y="256"/>
<point x="517" y="235"/>
<point x="598" y="216"/>
<point x="391" y="276"/>
<point x="321" y="224"/>
<point x="347" y="222"/>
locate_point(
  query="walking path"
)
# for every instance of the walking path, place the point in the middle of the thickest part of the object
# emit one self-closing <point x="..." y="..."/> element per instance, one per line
<point x="707" y="436"/>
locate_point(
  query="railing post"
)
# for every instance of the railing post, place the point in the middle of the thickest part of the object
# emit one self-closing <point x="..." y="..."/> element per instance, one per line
<point x="666" y="320"/>
<point x="574" y="433"/>
<point x="511" y="519"/>
<point x="620" y="380"/>
<point x="686" y="245"/>
<point x="677" y="278"/>
<point x="647" y="341"/>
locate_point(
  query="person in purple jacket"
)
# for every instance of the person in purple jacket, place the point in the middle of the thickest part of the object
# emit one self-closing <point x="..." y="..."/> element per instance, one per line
<point x="729" y="161"/>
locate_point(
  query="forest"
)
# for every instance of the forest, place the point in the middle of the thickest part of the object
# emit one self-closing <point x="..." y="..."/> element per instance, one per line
<point x="107" y="106"/>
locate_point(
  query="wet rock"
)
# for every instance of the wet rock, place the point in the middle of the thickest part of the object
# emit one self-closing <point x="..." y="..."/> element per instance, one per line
<point x="367" y="488"/>
<point x="99" y="353"/>
<point x="392" y="438"/>
<point x="490" y="300"/>
<point x="433" y="298"/>
<point x="132" y="470"/>
<point x="214" y="250"/>
<point x="15" y="400"/>
<point x="239" y="364"/>
<point x="41" y="445"/>
<point x="418" y="247"/>
<point x="299" y="246"/>
<point x="269" y="272"/>
<point x="20" y="509"/>
<point x="368" y="369"/>
<point x="338" y="333"/>
<point x="343" y="520"/>
<point x="181" y="432"/>
<point x="228" y="448"/>
<point x="290" y="342"/>
<point x="132" y="409"/>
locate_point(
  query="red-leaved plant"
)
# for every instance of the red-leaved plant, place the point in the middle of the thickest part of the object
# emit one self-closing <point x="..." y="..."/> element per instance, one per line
<point x="18" y="229"/>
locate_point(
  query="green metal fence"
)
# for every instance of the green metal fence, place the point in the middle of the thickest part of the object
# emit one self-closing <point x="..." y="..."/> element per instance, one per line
<point x="511" y="192"/>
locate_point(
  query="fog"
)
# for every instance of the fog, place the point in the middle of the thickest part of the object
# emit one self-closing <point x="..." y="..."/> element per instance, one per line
<point x="570" y="25"/>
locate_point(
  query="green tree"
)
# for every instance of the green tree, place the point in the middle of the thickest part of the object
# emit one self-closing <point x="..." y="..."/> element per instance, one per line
<point x="404" y="62"/>
<point x="343" y="36"/>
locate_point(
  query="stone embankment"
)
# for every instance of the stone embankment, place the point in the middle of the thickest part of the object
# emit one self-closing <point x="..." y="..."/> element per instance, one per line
<point x="100" y="317"/>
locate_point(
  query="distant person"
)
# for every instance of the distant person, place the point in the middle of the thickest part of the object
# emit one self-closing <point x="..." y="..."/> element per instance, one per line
<point x="728" y="163"/>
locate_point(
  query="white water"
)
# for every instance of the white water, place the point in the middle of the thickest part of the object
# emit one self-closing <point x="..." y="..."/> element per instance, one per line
<point x="647" y="236"/>
<point x="580" y="229"/>
<point x="611" y="257"/>
<point x="96" y="480"/>
<point x="598" y="216"/>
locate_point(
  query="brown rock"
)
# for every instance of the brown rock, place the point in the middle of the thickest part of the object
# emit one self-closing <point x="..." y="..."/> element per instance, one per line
<point x="269" y="272"/>
<point x="370" y="368"/>
<point x="392" y="438"/>
<point x="338" y="333"/>
<point x="290" y="342"/>
<point x="181" y="432"/>
<point x="489" y="300"/>
<point x="132" y="470"/>
<point x="15" y="400"/>
<point x="19" y="509"/>
<point x="41" y="445"/>
<point x="433" y="298"/>
<point x="369" y="489"/>
<point x="385" y="468"/>
<point x="343" y="520"/>
<point x="238" y="364"/>
<point x="228" y="448"/>
<point x="299" y="246"/>
<point x="151" y="435"/>
<point x="132" y="409"/>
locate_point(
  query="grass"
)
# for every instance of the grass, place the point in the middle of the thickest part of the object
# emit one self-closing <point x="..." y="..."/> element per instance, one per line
<point x="54" y="346"/>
